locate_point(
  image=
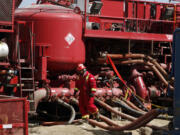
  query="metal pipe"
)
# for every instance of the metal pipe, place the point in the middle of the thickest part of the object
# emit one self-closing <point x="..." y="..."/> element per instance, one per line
<point x="141" y="89"/>
<point x="108" y="121"/>
<point x="109" y="108"/>
<point x="147" y="118"/>
<point x="157" y="73"/>
<point x="129" y="103"/>
<point x="136" y="61"/>
<point x="153" y="67"/>
<point x="141" y="61"/>
<point x="138" y="113"/>
<point x="123" y="115"/>
<point x="126" y="56"/>
<point x="53" y="123"/>
<point x="143" y="120"/>
<point x="158" y="66"/>
<point x="43" y="93"/>
<point x="120" y="103"/>
<point x="73" y="113"/>
<point x="93" y="122"/>
<point x="103" y="118"/>
<point x="39" y="95"/>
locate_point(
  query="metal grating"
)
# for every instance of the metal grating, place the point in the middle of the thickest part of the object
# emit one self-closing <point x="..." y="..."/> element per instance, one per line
<point x="7" y="15"/>
<point x="13" y="117"/>
<point x="6" y="7"/>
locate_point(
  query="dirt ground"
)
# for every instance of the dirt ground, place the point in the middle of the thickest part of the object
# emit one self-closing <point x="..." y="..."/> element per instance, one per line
<point x="86" y="129"/>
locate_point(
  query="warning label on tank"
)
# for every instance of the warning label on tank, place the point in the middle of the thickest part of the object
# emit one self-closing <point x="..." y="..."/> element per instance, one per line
<point x="69" y="38"/>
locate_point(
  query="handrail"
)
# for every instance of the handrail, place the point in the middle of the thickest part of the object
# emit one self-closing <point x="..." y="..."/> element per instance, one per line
<point x="123" y="21"/>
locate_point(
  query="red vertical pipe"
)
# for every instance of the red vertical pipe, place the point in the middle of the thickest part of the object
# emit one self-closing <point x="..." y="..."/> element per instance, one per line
<point x="26" y="107"/>
<point x="139" y="84"/>
<point x="85" y="16"/>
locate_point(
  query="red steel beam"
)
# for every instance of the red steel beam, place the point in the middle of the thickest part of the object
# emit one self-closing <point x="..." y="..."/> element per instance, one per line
<point x="128" y="35"/>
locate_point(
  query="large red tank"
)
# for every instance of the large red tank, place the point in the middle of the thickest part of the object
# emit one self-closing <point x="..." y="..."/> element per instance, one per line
<point x="61" y="29"/>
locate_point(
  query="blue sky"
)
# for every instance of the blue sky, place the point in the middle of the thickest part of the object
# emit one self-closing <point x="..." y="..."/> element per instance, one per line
<point x="27" y="2"/>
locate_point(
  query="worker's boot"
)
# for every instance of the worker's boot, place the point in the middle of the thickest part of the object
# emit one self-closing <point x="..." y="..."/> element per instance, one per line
<point x="85" y="119"/>
<point x="96" y="116"/>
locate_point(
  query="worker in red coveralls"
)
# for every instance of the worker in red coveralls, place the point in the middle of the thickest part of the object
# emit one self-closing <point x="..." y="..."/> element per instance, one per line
<point x="86" y="83"/>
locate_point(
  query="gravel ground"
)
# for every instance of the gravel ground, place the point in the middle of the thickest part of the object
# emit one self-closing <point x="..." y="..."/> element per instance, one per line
<point x="86" y="129"/>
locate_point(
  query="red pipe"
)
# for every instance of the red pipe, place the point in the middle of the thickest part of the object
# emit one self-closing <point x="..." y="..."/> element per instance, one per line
<point x="100" y="92"/>
<point x="126" y="56"/>
<point x="139" y="84"/>
<point x="143" y="120"/>
<point x="109" y="108"/>
<point x="108" y="121"/>
<point x="39" y="95"/>
<point x="151" y="65"/>
<point x="123" y="115"/>
<point x="132" y="105"/>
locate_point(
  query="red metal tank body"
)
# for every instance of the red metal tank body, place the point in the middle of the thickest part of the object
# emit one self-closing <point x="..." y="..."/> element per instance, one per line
<point x="61" y="29"/>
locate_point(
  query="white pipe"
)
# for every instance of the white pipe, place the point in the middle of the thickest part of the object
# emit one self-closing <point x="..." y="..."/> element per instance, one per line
<point x="4" y="50"/>
<point x="39" y="95"/>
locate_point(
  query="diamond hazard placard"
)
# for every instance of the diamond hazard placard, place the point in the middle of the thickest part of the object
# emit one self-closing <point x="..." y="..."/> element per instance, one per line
<point x="69" y="38"/>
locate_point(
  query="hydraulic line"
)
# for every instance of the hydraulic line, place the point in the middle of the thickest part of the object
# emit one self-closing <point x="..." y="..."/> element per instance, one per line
<point x="157" y="65"/>
<point x="161" y="77"/>
<point x="122" y="80"/>
<point x="153" y="67"/>
<point x="108" y="121"/>
<point x="137" y="113"/>
<point x="109" y="108"/>
<point x="103" y="118"/>
<point x="147" y="60"/>
<point x="129" y="103"/>
<point x="147" y="118"/>
<point x="142" y="121"/>
<point x="142" y="56"/>
<point x="127" y="108"/>
<point x="115" y="127"/>
<point x="139" y="102"/>
<point x="141" y="61"/>
<point x="73" y="113"/>
<point x="53" y="123"/>
<point x="123" y="115"/>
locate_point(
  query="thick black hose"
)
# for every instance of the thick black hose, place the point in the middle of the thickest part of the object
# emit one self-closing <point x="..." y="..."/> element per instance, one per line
<point x="139" y="102"/>
<point x="127" y="108"/>
<point x="73" y="113"/>
<point x="138" y="113"/>
<point x="123" y="115"/>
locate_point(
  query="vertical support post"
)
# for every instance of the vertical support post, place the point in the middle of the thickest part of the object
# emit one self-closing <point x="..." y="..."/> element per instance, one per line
<point x="17" y="53"/>
<point x="44" y="68"/>
<point x="32" y="44"/>
<point x="174" y="26"/>
<point x="126" y="8"/>
<point x="85" y="16"/>
<point x="152" y="47"/>
<point x="42" y="61"/>
<point x="32" y="54"/>
<point x="26" y="109"/>
<point x="175" y="72"/>
<point x="129" y="46"/>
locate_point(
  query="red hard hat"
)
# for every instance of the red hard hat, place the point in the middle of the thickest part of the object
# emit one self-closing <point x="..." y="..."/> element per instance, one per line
<point x="80" y="67"/>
